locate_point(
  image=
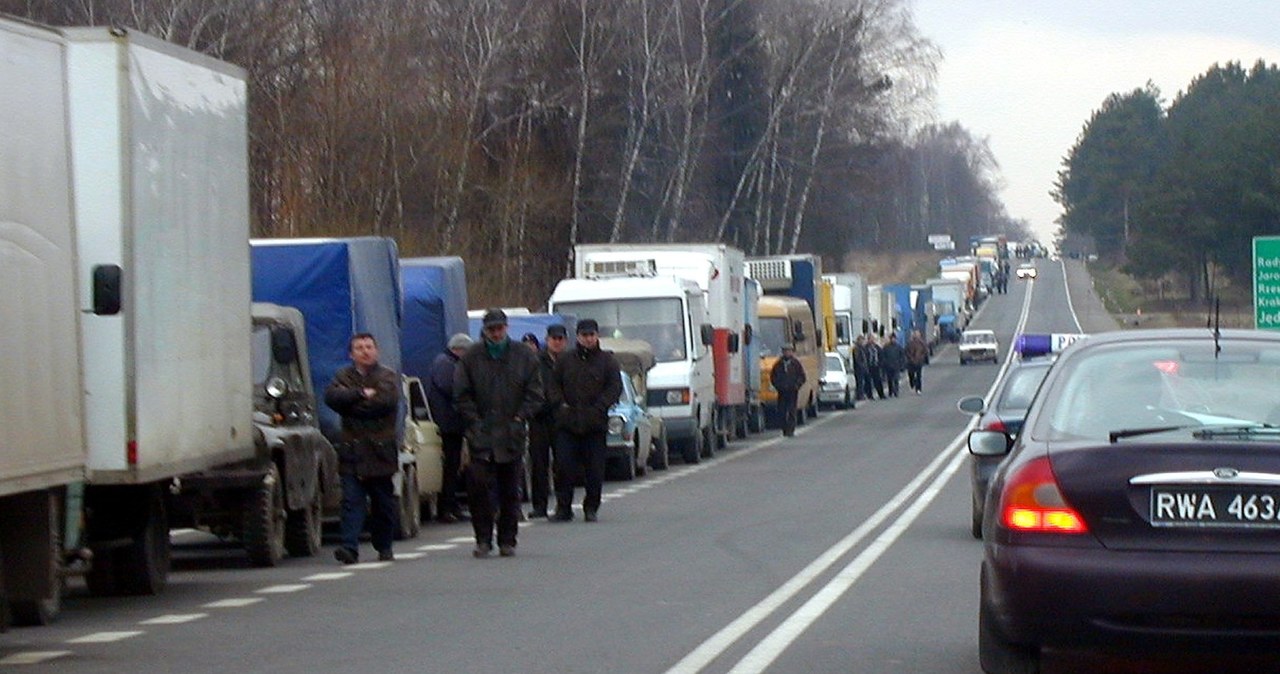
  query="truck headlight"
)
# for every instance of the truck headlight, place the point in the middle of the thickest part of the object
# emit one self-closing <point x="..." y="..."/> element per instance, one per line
<point x="616" y="424"/>
<point x="678" y="396"/>
<point x="276" y="387"/>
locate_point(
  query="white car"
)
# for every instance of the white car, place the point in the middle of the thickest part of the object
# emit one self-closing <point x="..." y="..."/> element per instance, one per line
<point x="1026" y="271"/>
<point x="979" y="345"/>
<point x="837" y="382"/>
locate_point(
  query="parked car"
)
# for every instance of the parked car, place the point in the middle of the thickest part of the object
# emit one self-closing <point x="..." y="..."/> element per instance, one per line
<point x="837" y="383"/>
<point x="635" y="435"/>
<point x="1137" y="513"/>
<point x="1025" y="271"/>
<point x="979" y="345"/>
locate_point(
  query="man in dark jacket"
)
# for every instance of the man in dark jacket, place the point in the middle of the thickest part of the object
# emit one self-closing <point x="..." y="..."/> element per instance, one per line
<point x="450" y="423"/>
<point x="366" y="395"/>
<point x="875" y="373"/>
<point x="497" y="389"/>
<point x="588" y="382"/>
<point x="893" y="360"/>
<point x="542" y="426"/>
<point x="917" y="355"/>
<point x="787" y="376"/>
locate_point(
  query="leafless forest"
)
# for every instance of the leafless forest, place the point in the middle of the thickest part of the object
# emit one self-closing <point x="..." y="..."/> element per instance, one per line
<point x="505" y="131"/>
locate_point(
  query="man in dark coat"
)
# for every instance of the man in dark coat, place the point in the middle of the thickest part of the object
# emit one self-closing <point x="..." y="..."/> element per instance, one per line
<point x="787" y="376"/>
<point x="366" y="395"/>
<point x="588" y="381"/>
<point x="875" y="378"/>
<point x="861" y="382"/>
<point x="917" y="355"/>
<point x="451" y="425"/>
<point x="893" y="360"/>
<point x="542" y="426"/>
<point x="497" y="389"/>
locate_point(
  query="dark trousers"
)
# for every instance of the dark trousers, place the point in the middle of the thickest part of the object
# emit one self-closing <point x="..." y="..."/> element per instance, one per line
<point x="891" y="381"/>
<point x="787" y="411"/>
<point x="579" y="455"/>
<point x="357" y="496"/>
<point x="451" y="445"/>
<point x="541" y="434"/>
<point x="484" y="475"/>
<point x="877" y="382"/>
<point x="915" y="376"/>
<point x="859" y="383"/>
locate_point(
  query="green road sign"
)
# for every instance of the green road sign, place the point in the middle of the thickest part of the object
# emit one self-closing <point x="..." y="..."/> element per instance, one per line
<point x="1266" y="282"/>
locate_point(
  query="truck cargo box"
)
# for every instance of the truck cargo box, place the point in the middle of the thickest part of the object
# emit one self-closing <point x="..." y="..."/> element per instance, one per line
<point x="160" y="157"/>
<point x="342" y="287"/>
<point x="435" y="308"/>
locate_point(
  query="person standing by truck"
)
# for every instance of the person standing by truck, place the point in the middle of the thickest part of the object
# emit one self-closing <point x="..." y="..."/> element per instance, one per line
<point x="587" y="382"/>
<point x="542" y="427"/>
<point x="787" y="376"/>
<point x="917" y="355"/>
<point x="366" y="394"/>
<point x="497" y="389"/>
<point x="450" y="423"/>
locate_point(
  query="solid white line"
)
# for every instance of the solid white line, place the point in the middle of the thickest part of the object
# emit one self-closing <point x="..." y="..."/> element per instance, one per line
<point x="1070" y="307"/>
<point x="174" y="619"/>
<point x="32" y="657"/>
<point x="768" y="650"/>
<point x="105" y="637"/>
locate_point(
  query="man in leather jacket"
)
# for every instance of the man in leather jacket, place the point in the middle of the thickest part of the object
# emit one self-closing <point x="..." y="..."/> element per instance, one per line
<point x="588" y="381"/>
<point x="787" y="376"/>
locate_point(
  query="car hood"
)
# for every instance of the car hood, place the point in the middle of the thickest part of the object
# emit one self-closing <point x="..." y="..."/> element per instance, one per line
<point x="1111" y="486"/>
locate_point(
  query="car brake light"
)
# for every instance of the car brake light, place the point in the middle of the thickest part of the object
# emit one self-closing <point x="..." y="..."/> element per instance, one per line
<point x="1031" y="501"/>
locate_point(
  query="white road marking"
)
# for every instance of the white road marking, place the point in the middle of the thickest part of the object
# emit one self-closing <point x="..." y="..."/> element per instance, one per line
<point x="105" y="637"/>
<point x="459" y="539"/>
<point x="410" y="555"/>
<point x="32" y="657"/>
<point x="368" y="566"/>
<point x="434" y="547"/>
<point x="283" y="589"/>
<point x="174" y="619"/>
<point x="235" y="602"/>
<point x="329" y="576"/>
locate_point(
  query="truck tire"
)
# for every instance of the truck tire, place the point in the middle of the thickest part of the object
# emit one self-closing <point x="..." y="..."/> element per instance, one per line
<point x="692" y="448"/>
<point x="660" y="456"/>
<point x="303" y="527"/>
<point x="410" y="505"/>
<point x="740" y="423"/>
<point x="710" y="439"/>
<point x="141" y="566"/>
<point x="39" y="572"/>
<point x="265" y="519"/>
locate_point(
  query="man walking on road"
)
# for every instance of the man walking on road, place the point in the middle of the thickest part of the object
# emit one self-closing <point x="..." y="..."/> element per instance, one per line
<point x="450" y="423"/>
<point x="366" y="395"/>
<point x="787" y="376"/>
<point x="892" y="361"/>
<point x="875" y="379"/>
<point x="497" y="389"/>
<point x="587" y="383"/>
<point x="917" y="354"/>
<point x="542" y="427"/>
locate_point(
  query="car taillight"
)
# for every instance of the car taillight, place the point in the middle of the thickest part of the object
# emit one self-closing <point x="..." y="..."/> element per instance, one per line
<point x="995" y="425"/>
<point x="1032" y="502"/>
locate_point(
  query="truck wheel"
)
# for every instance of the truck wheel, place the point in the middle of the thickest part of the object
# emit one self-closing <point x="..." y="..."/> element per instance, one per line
<point x="141" y="567"/>
<point x="264" y="521"/>
<point x="660" y="456"/>
<point x="302" y="528"/>
<point x="755" y="419"/>
<point x="740" y="423"/>
<point x="410" y="505"/>
<point x="692" y="448"/>
<point x="710" y="439"/>
<point x="38" y="573"/>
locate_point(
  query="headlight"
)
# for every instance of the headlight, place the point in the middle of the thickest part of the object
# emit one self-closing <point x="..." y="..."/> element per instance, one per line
<point x="276" y="388"/>
<point x="678" y="396"/>
<point x="616" y="424"/>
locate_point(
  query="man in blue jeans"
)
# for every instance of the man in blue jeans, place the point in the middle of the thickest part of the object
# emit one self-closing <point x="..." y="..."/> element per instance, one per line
<point x="366" y="394"/>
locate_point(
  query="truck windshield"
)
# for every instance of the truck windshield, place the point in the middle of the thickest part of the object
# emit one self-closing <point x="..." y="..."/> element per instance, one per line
<point x="772" y="335"/>
<point x="658" y="321"/>
<point x="261" y="355"/>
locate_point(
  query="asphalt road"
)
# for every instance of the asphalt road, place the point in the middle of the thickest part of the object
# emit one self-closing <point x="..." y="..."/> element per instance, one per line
<point x="843" y="549"/>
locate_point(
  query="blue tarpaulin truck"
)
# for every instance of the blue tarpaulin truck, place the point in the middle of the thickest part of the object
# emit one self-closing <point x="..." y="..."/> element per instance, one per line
<point x="435" y="308"/>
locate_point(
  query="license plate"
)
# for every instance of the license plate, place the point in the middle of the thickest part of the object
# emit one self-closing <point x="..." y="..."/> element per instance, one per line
<point x="1192" y="507"/>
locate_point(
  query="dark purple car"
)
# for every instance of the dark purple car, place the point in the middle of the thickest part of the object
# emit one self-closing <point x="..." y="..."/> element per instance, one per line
<point x="1138" y="512"/>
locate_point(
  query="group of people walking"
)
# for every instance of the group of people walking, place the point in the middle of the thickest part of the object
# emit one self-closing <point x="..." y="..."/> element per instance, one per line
<point x="492" y="400"/>
<point x="878" y="367"/>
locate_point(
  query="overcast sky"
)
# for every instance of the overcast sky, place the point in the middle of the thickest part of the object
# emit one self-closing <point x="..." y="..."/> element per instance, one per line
<point x="1027" y="74"/>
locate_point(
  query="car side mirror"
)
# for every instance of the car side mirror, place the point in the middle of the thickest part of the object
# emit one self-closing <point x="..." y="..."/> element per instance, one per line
<point x="989" y="443"/>
<point x="971" y="405"/>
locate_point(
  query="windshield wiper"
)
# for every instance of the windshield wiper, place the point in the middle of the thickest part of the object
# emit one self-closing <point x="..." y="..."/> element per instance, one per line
<point x="1134" y="432"/>
<point x="1236" y="431"/>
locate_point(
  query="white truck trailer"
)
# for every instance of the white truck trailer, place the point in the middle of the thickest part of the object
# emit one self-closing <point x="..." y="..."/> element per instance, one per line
<point x="125" y="262"/>
<point x="719" y="270"/>
<point x="849" y="300"/>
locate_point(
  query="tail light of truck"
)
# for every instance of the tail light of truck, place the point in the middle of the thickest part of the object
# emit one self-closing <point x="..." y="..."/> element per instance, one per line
<point x="131" y="452"/>
<point x="1032" y="502"/>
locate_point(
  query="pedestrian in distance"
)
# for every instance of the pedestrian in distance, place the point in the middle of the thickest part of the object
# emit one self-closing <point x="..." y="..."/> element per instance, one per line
<point x="893" y="360"/>
<point x="787" y="376"/>
<point x="497" y="389"/>
<point x="587" y="382"/>
<point x="542" y="427"/>
<point x="917" y="356"/>
<point x="860" y="375"/>
<point x="874" y="371"/>
<point x="531" y="340"/>
<point x="367" y="396"/>
<point x="450" y="423"/>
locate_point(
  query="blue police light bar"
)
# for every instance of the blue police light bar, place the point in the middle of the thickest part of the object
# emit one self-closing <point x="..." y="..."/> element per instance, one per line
<point x="1031" y="345"/>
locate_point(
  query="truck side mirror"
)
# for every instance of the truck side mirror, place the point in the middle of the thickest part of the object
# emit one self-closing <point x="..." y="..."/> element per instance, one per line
<point x="747" y="334"/>
<point x="284" y="347"/>
<point x="708" y="334"/>
<point x="797" y="333"/>
<point x="107" y="290"/>
<point x="733" y="343"/>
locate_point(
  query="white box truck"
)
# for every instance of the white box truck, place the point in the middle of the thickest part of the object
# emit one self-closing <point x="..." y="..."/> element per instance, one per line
<point x="670" y="313"/>
<point x="124" y="257"/>
<point x="720" y="271"/>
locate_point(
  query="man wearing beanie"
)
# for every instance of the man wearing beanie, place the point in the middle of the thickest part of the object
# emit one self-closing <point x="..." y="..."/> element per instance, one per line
<point x="450" y="423"/>
<point x="587" y="383"/>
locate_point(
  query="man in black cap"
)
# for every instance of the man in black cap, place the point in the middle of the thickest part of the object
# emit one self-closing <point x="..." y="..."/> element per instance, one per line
<point x="787" y="376"/>
<point x="497" y="389"/>
<point x="542" y="425"/>
<point x="587" y="382"/>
